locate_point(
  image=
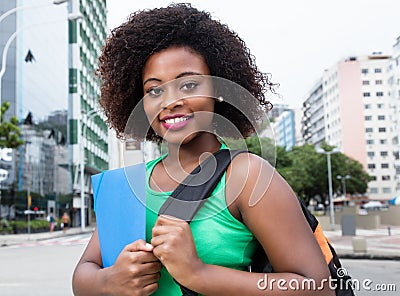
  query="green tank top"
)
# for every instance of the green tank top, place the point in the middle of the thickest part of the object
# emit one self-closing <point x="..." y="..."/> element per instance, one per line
<point x="219" y="237"/>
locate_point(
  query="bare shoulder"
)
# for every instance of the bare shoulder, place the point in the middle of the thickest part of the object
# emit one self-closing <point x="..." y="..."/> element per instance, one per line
<point x="268" y="206"/>
<point x="249" y="178"/>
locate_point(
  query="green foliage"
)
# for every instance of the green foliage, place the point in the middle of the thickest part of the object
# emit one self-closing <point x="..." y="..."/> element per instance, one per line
<point x="10" y="132"/>
<point x="5" y="226"/>
<point x="263" y="147"/>
<point x="305" y="170"/>
<point x="21" y="226"/>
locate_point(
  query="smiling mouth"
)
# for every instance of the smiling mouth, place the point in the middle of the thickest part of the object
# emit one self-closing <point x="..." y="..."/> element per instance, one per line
<point x="176" y="123"/>
<point x="176" y="119"/>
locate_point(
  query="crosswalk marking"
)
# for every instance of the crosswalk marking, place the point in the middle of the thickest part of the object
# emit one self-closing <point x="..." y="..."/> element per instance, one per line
<point x="82" y="239"/>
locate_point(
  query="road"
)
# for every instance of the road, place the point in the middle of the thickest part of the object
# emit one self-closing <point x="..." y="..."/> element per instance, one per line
<point x="45" y="268"/>
<point x="376" y="277"/>
<point x="40" y="268"/>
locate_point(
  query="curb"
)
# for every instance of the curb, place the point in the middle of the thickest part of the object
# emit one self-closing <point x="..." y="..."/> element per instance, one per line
<point x="369" y="256"/>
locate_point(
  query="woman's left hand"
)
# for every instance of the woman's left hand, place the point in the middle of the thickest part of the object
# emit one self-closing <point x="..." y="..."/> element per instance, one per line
<point x="174" y="246"/>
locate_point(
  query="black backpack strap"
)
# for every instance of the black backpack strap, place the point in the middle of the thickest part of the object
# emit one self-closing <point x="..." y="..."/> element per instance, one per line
<point x="189" y="196"/>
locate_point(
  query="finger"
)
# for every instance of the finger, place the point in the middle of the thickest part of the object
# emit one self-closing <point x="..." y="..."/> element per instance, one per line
<point x="151" y="267"/>
<point x="150" y="289"/>
<point x="164" y="229"/>
<point x="169" y="220"/>
<point x="147" y="269"/>
<point x="158" y="240"/>
<point x="139" y="245"/>
<point x="144" y="257"/>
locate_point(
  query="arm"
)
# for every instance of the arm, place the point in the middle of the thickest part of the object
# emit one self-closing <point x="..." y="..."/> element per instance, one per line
<point x="271" y="211"/>
<point x="135" y="270"/>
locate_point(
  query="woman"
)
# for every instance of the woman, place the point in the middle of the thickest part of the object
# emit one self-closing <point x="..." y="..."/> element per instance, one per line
<point x="164" y="56"/>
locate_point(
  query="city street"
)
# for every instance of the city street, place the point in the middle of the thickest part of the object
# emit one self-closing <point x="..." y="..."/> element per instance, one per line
<point x="45" y="268"/>
<point x="41" y="268"/>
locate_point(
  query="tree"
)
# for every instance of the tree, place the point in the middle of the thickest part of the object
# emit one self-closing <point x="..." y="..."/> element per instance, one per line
<point x="10" y="132"/>
<point x="308" y="173"/>
<point x="305" y="170"/>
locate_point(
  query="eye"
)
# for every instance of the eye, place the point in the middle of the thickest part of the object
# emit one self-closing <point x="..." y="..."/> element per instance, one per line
<point x="189" y="85"/>
<point x="154" y="91"/>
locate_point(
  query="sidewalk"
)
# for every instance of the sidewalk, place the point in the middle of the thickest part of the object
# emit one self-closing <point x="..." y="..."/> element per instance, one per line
<point x="380" y="245"/>
<point x="15" y="239"/>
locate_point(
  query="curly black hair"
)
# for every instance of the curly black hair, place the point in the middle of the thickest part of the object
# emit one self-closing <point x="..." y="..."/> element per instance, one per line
<point x="148" y="31"/>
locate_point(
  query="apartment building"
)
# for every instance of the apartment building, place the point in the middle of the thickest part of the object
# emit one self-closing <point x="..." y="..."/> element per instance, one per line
<point x="394" y="82"/>
<point x="349" y="107"/>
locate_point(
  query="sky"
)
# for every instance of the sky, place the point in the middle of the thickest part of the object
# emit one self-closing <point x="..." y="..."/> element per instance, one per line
<point x="295" y="40"/>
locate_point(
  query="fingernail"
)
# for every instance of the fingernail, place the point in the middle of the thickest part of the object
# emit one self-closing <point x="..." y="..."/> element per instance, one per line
<point x="149" y="246"/>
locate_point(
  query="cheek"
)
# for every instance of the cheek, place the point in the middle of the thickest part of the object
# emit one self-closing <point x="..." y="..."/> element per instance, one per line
<point x="206" y="112"/>
<point x="150" y="110"/>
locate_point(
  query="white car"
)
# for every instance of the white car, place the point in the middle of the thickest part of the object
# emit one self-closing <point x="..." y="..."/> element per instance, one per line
<point x="373" y="205"/>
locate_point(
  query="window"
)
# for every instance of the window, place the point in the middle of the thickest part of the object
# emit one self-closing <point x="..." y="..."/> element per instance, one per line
<point x="366" y="94"/>
<point x="373" y="178"/>
<point x="384" y="153"/>
<point x="383" y="141"/>
<point x="367" y="106"/>
<point x="386" y="178"/>
<point x="380" y="106"/>
<point x="378" y="70"/>
<point x="368" y="117"/>
<point x="386" y="190"/>
<point x="384" y="165"/>
<point x="378" y="82"/>
<point x="364" y="71"/>
<point x="373" y="190"/>
<point x="379" y="93"/>
<point x="132" y="145"/>
<point x="371" y="166"/>
<point x="371" y="153"/>
<point x="365" y="82"/>
<point x="370" y="142"/>
<point x="381" y="117"/>
<point x="382" y="129"/>
<point x="369" y="130"/>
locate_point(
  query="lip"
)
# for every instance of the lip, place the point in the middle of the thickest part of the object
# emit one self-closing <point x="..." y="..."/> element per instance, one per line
<point x="177" y="125"/>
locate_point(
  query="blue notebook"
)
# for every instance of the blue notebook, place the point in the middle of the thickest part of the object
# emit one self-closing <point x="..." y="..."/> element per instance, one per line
<point x="119" y="203"/>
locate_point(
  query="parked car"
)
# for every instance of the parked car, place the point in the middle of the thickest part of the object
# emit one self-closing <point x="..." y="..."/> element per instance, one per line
<point x="373" y="205"/>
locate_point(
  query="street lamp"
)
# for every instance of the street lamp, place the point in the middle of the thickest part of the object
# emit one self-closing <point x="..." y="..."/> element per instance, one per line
<point x="12" y="37"/>
<point x="88" y="116"/>
<point x="343" y="179"/>
<point x="328" y="156"/>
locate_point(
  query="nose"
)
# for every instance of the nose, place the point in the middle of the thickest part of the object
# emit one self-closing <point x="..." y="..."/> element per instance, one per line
<point x="171" y="99"/>
<point x="171" y="103"/>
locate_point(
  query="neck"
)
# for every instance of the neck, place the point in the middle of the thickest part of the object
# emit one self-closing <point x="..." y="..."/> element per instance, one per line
<point x="190" y="153"/>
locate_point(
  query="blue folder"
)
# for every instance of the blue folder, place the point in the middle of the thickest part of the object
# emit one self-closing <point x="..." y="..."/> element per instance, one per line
<point x="119" y="203"/>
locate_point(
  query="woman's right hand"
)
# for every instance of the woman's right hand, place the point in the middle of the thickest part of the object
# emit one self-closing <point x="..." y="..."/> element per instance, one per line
<point x="135" y="272"/>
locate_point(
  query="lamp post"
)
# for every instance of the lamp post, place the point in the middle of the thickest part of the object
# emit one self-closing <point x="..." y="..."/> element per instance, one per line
<point x="12" y="37"/>
<point x="88" y="116"/>
<point x="343" y="179"/>
<point x="331" y="207"/>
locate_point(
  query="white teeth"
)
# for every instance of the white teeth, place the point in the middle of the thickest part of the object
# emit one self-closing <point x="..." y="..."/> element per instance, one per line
<point x="176" y="120"/>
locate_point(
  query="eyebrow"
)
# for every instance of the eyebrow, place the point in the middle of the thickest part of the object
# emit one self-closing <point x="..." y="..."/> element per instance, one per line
<point x="177" y="77"/>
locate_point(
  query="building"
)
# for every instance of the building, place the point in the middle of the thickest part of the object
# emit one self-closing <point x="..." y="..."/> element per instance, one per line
<point x="313" y="127"/>
<point x="52" y="50"/>
<point x="88" y="133"/>
<point x="284" y="129"/>
<point x="348" y="108"/>
<point x="394" y="82"/>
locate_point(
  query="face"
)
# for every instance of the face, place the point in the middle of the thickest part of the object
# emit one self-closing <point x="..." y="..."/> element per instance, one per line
<point x="178" y="99"/>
